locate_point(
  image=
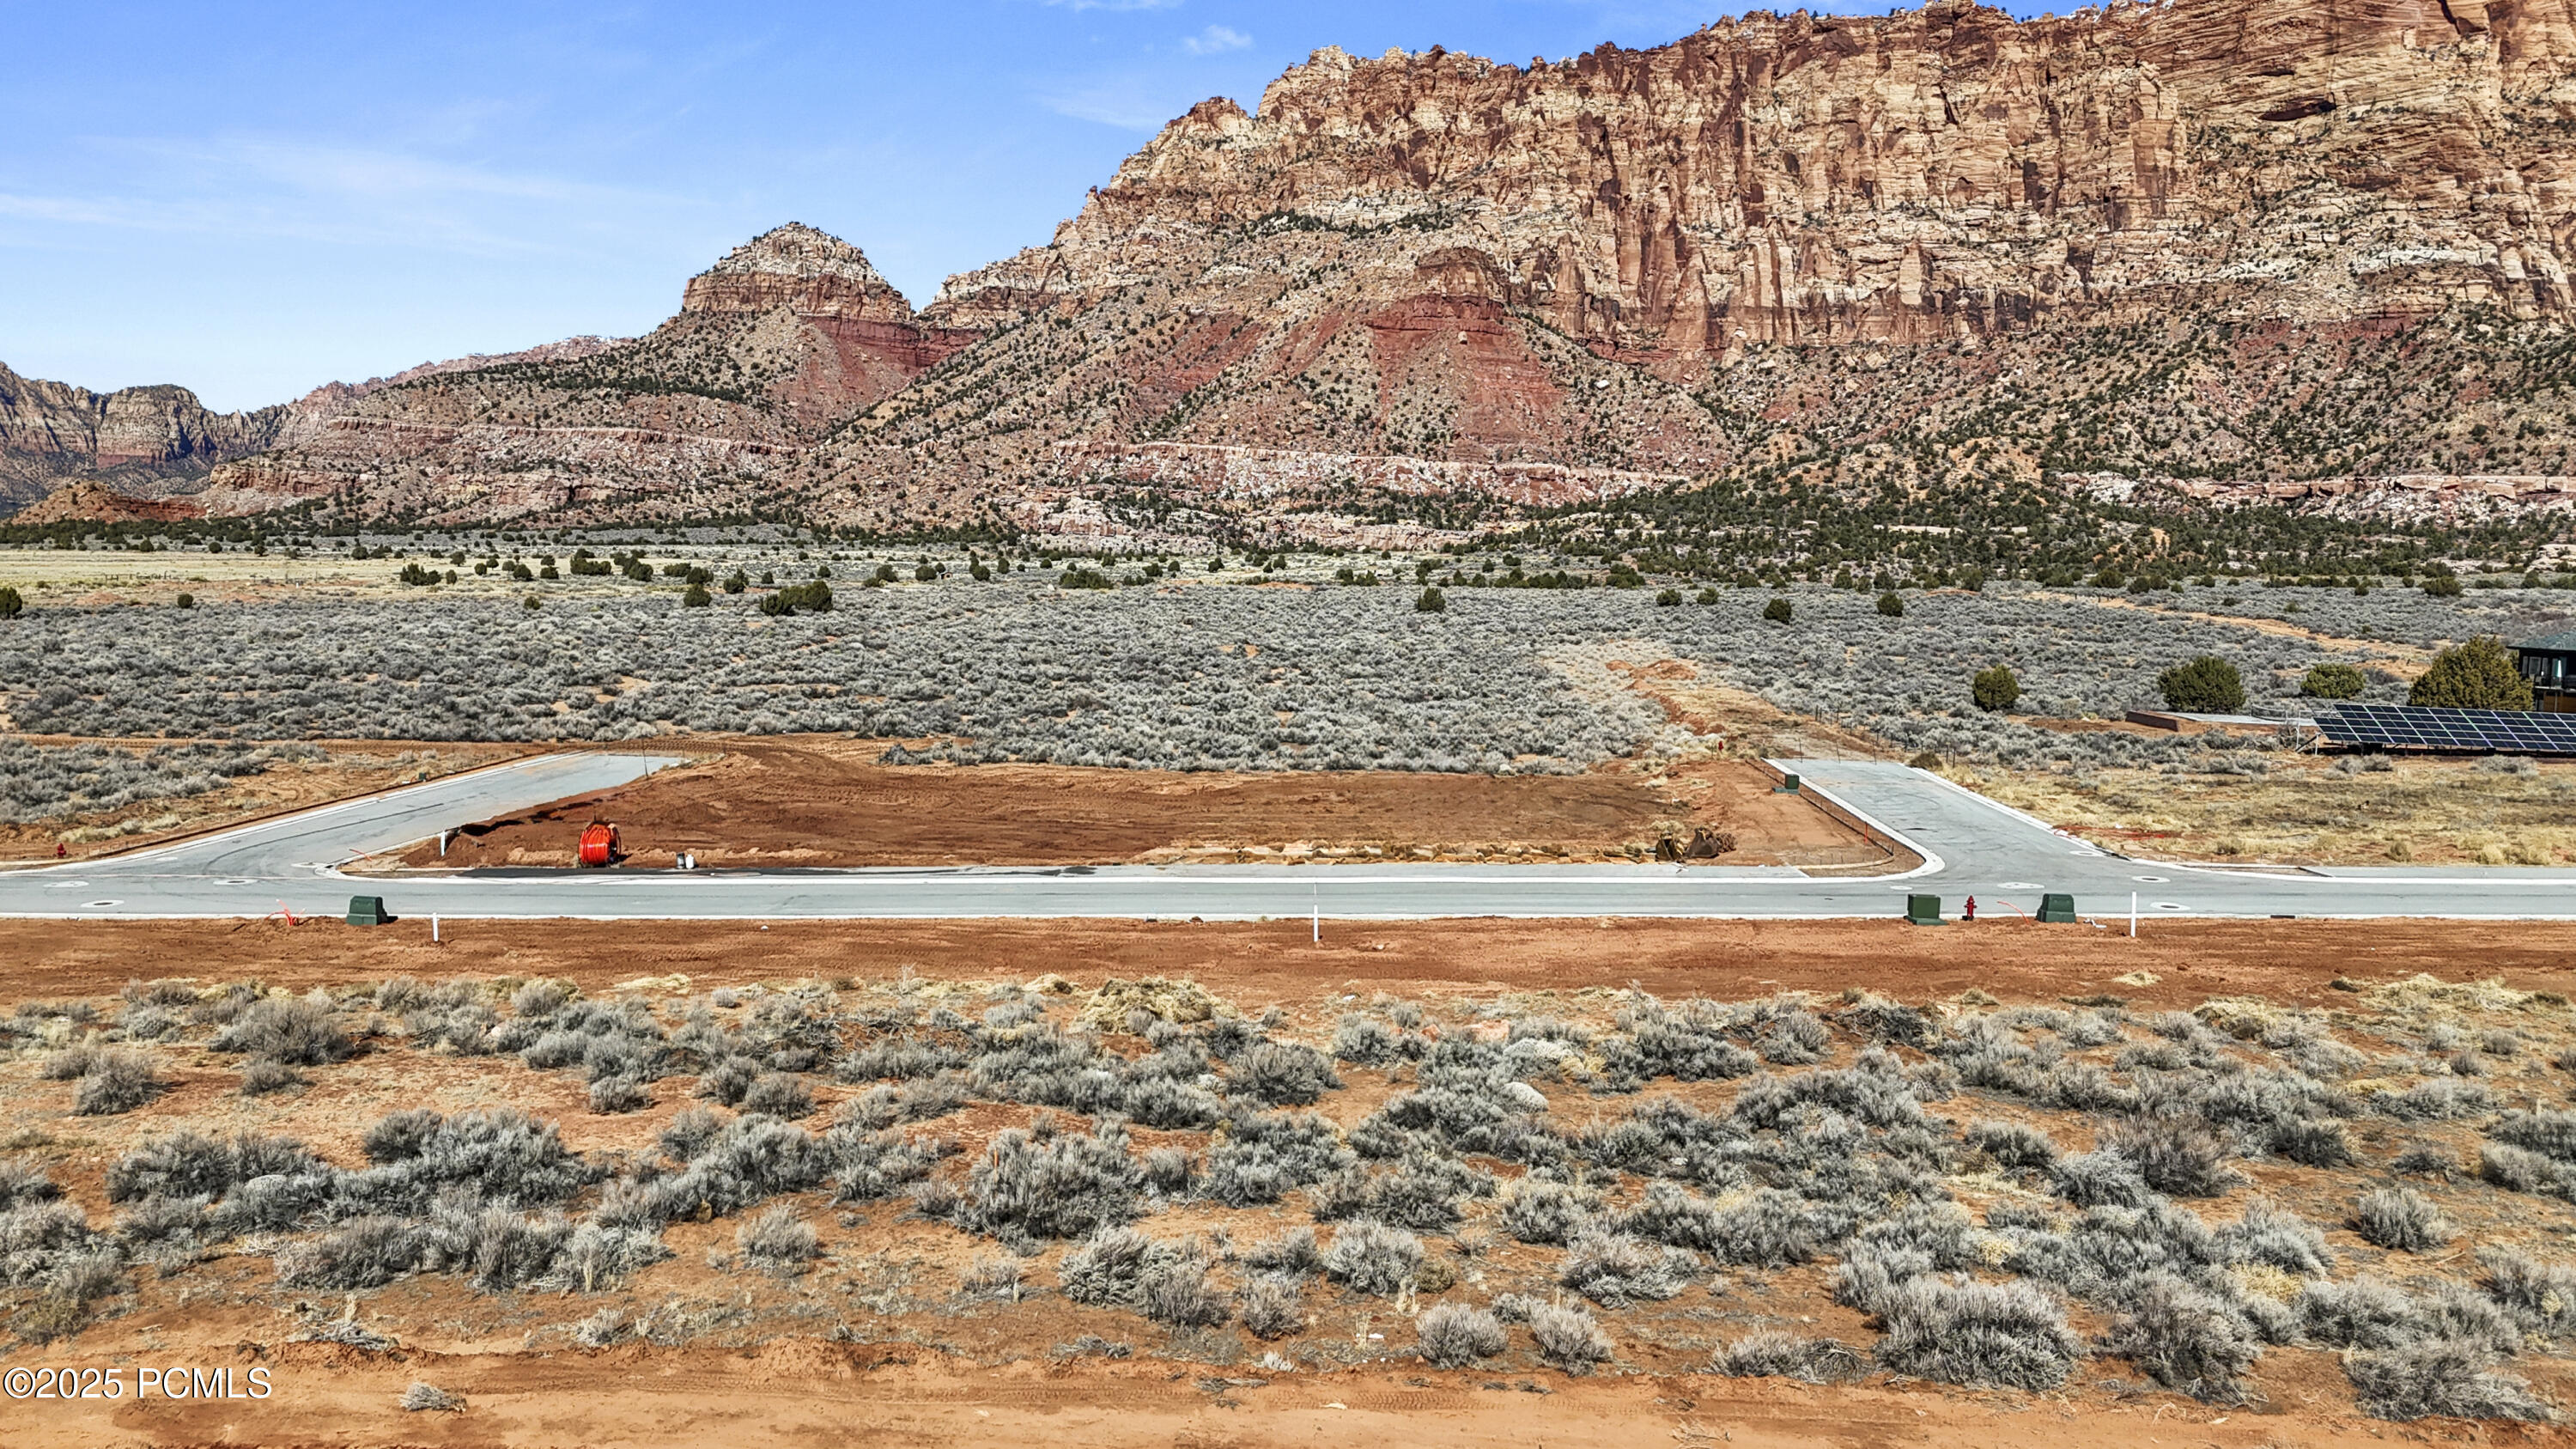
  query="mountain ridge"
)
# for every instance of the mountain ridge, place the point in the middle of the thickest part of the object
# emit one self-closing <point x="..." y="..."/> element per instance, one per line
<point x="2286" y="252"/>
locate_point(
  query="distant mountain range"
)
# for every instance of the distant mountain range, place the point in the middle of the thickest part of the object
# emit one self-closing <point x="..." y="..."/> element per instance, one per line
<point x="2179" y="254"/>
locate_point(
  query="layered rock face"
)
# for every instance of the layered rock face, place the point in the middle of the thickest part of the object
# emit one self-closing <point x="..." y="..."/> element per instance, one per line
<point x="783" y="339"/>
<point x="149" y="439"/>
<point x="2286" y="246"/>
<point x="1932" y="174"/>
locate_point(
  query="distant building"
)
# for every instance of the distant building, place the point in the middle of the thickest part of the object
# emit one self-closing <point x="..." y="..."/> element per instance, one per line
<point x="2549" y="662"/>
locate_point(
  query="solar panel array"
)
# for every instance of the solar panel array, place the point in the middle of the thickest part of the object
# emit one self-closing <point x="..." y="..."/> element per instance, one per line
<point x="2521" y="732"/>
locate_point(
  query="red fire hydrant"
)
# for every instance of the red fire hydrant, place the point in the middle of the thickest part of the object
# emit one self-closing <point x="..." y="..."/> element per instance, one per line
<point x="1970" y="913"/>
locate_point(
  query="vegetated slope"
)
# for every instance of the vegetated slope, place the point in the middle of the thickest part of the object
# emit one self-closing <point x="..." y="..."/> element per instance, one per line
<point x="784" y="337"/>
<point x="2011" y="1197"/>
<point x="2188" y="241"/>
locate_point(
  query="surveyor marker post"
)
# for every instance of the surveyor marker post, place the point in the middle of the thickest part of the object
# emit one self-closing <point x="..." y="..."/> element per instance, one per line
<point x="2133" y="915"/>
<point x="433" y="930"/>
<point x="1319" y="915"/>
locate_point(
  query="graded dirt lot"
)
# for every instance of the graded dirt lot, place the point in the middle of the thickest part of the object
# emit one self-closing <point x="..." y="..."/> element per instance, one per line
<point x="878" y="1341"/>
<point x="825" y="801"/>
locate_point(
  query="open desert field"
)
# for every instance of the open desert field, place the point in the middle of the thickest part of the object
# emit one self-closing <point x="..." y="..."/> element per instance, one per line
<point x="1472" y="1183"/>
<point x="91" y="797"/>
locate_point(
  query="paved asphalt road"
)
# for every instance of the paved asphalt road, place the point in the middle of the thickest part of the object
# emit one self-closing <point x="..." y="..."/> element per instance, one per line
<point x="1970" y="845"/>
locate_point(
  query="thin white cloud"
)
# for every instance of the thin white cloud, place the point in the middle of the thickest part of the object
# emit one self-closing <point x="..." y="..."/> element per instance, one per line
<point x="1129" y="108"/>
<point x="1216" y="40"/>
<point x="1112" y="4"/>
<point x="261" y="186"/>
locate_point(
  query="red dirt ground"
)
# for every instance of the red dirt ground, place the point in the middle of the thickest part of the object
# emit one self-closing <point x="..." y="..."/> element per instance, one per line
<point x="827" y="802"/>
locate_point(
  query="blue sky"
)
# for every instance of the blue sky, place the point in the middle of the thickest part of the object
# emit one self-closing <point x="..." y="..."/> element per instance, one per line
<point x="253" y="199"/>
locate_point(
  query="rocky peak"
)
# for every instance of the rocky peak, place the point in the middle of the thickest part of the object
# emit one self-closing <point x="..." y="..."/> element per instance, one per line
<point x="811" y="273"/>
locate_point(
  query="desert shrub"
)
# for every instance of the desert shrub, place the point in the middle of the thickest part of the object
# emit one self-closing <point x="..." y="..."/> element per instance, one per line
<point x="191" y="1164"/>
<point x="1364" y="1041"/>
<point x="503" y="1250"/>
<point x="2005" y="1335"/>
<point x="2400" y="1218"/>
<point x="1689" y="1045"/>
<point x="866" y="1166"/>
<point x="2206" y="685"/>
<point x="2541" y="1296"/>
<point x="1769" y="1228"/>
<point x="2312" y="1142"/>
<point x="22" y="1182"/>
<point x="116" y="1081"/>
<point x="1282" y="1074"/>
<point x="883" y="1106"/>
<point x="2434" y="1100"/>
<point x="1293" y="1254"/>
<point x="2333" y="681"/>
<point x="992" y="1277"/>
<point x="1453" y="1335"/>
<point x="1167" y="1170"/>
<point x="506" y="1155"/>
<point x="1108" y="1269"/>
<point x="1770" y="1353"/>
<point x="749" y="1160"/>
<point x="602" y="1329"/>
<point x="777" y="1094"/>
<point x="612" y="1095"/>
<point x="298" y="1031"/>
<point x="1168" y="1104"/>
<point x="901" y="1057"/>
<point x="778" y="1239"/>
<point x="726" y="1081"/>
<point x="2176" y="1155"/>
<point x="430" y="1398"/>
<point x="1537" y="1210"/>
<point x="2461" y="1313"/>
<point x="2276" y="1237"/>
<point x="683" y="1137"/>
<point x="367" y="1253"/>
<point x="1422" y="1194"/>
<point x="2437" y="1377"/>
<point x="1569" y="1337"/>
<point x="1370" y="1257"/>
<point x="1028" y="1186"/>
<point x="2185" y="1339"/>
<point x="598" y="1254"/>
<point x="2012" y="1144"/>
<point x="1176" y="1293"/>
<point x="2362" y="1313"/>
<point x="2098" y="1179"/>
<point x="2551" y="1134"/>
<point x="1994" y="688"/>
<point x="1270" y="1307"/>
<point x="1260" y="1158"/>
<point x="70" y="1063"/>
<point x="1614" y="1269"/>
<point x="263" y="1075"/>
<point x="2519" y="1170"/>
<point x="2479" y="674"/>
<point x="1792" y="1038"/>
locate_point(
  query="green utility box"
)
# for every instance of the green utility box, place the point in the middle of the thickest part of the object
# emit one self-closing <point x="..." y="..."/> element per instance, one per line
<point x="369" y="911"/>
<point x="1788" y="785"/>
<point x="2057" y="908"/>
<point x="1923" y="910"/>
